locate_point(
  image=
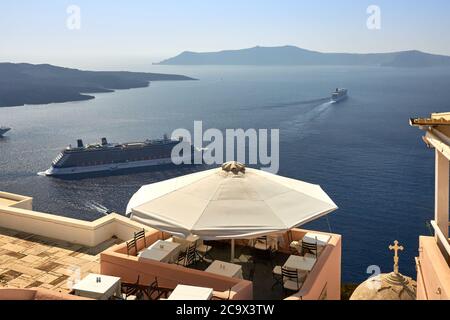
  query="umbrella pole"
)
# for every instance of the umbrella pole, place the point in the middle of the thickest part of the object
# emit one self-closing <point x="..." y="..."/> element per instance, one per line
<point x="232" y="250"/>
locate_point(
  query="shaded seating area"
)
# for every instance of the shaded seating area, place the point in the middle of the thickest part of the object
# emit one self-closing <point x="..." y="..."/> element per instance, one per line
<point x="264" y="271"/>
<point x="137" y="272"/>
<point x="222" y="204"/>
<point x="239" y="208"/>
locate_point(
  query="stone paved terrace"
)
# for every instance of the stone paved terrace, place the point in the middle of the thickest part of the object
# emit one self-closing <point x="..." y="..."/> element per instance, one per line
<point x="28" y="261"/>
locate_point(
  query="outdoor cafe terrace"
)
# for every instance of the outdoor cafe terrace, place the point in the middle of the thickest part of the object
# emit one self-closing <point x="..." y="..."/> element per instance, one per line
<point x="267" y="268"/>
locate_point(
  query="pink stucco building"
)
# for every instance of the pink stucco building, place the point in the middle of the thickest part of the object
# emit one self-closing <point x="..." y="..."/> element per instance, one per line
<point x="433" y="271"/>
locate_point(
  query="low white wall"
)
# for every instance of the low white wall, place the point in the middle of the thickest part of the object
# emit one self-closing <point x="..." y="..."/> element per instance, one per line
<point x="72" y="230"/>
<point x="23" y="202"/>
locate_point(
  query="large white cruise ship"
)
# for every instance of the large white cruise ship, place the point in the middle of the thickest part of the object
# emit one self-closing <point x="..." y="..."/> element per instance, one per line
<point x="339" y="95"/>
<point x="111" y="156"/>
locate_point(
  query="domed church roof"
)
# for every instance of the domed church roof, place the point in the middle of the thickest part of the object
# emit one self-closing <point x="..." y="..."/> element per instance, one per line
<point x="391" y="286"/>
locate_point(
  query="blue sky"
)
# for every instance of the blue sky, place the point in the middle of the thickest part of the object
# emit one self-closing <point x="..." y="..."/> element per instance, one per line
<point x="35" y="31"/>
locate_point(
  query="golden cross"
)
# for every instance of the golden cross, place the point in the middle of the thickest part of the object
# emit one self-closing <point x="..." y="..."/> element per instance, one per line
<point x="396" y="248"/>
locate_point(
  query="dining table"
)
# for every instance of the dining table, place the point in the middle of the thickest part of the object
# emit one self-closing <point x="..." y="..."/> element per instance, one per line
<point x="163" y="251"/>
<point x="301" y="263"/>
<point x="186" y="293"/>
<point x="98" y="286"/>
<point x="226" y="269"/>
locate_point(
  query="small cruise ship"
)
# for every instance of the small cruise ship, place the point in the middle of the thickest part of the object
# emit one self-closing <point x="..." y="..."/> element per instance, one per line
<point x="339" y="94"/>
<point x="4" y="130"/>
<point x="104" y="156"/>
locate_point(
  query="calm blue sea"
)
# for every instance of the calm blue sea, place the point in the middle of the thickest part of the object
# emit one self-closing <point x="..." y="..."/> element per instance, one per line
<point x="362" y="152"/>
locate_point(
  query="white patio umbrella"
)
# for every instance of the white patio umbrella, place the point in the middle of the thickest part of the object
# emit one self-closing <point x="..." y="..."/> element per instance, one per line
<point x="232" y="202"/>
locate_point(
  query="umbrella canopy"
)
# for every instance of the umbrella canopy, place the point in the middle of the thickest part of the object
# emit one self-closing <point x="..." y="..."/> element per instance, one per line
<point x="232" y="202"/>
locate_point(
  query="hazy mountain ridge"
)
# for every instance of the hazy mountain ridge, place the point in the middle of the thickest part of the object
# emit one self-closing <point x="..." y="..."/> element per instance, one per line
<point x="290" y="55"/>
<point x="25" y="83"/>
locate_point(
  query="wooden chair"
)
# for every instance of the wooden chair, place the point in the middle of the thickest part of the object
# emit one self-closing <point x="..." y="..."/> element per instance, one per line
<point x="131" y="289"/>
<point x="191" y="254"/>
<point x="262" y="244"/>
<point x="309" y="249"/>
<point x="187" y="257"/>
<point x="131" y="245"/>
<point x="154" y="291"/>
<point x="263" y="251"/>
<point x="203" y="251"/>
<point x="140" y="235"/>
<point x="291" y="280"/>
<point x="247" y="263"/>
<point x="181" y="259"/>
<point x="277" y="276"/>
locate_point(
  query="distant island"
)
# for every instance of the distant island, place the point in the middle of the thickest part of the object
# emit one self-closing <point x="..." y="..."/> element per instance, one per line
<point x="24" y="83"/>
<point x="290" y="55"/>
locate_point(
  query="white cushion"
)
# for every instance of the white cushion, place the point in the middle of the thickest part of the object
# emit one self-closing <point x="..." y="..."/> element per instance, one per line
<point x="295" y="244"/>
<point x="245" y="258"/>
<point x="261" y="246"/>
<point x="277" y="270"/>
<point x="203" y="248"/>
